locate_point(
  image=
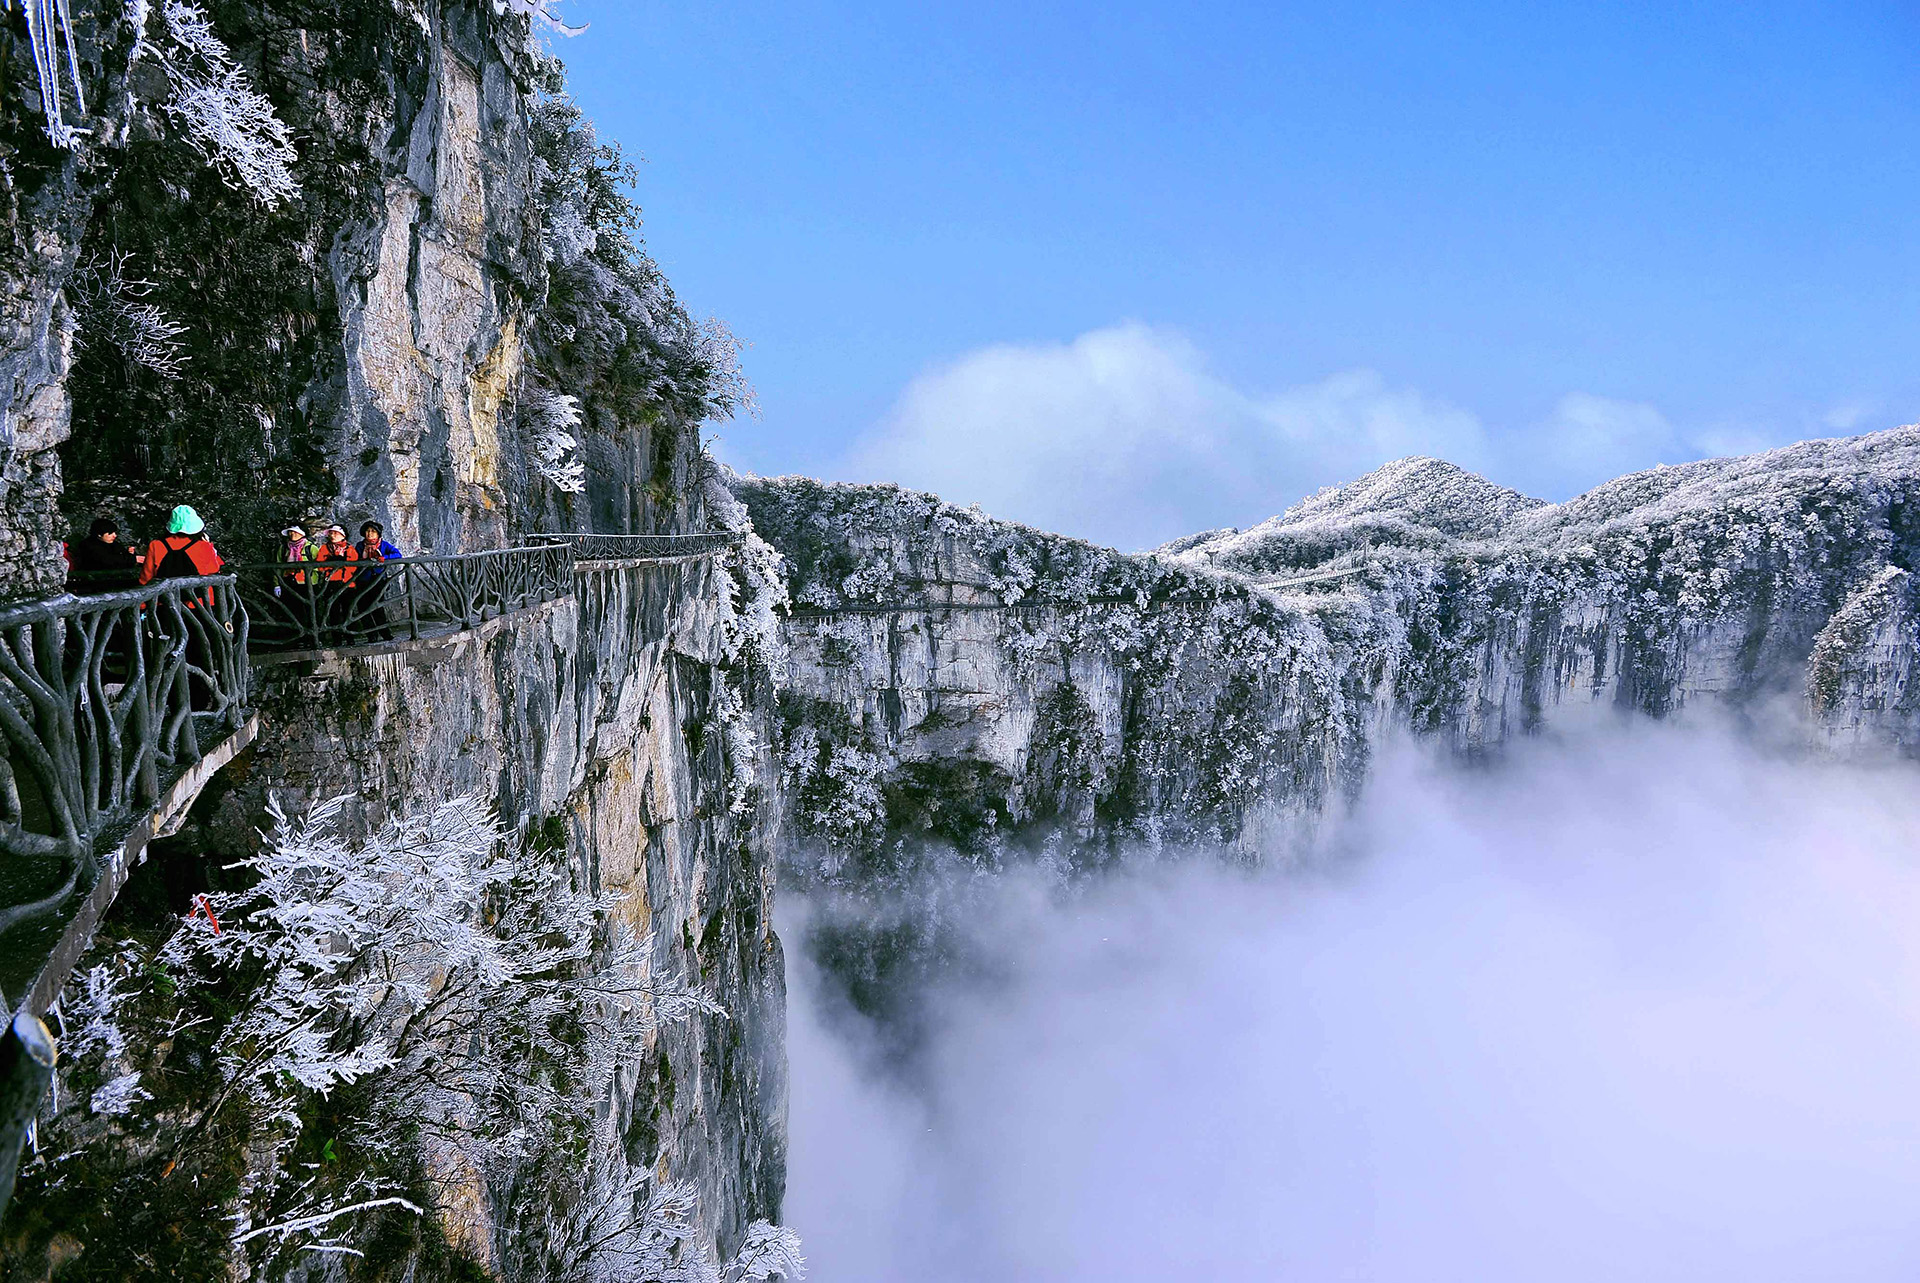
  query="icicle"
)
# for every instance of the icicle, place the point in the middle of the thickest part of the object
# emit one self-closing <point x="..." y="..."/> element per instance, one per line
<point x="42" y="17"/>
<point x="73" y="57"/>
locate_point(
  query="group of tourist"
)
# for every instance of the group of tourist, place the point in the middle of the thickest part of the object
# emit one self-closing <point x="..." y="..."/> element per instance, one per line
<point x="344" y="589"/>
<point x="331" y="545"/>
<point x="348" y="594"/>
<point x="101" y="563"/>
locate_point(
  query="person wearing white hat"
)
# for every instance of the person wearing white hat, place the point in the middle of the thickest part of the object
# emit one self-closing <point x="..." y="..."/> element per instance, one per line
<point x="295" y="554"/>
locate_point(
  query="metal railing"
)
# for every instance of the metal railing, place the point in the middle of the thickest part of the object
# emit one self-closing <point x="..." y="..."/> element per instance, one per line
<point x="103" y="699"/>
<point x="592" y="547"/>
<point x="319" y="605"/>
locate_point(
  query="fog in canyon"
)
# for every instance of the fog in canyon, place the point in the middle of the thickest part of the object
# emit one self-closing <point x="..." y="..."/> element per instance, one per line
<point x="1641" y="1001"/>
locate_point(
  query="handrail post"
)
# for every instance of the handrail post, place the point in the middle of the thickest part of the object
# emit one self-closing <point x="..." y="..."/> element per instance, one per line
<point x="413" y="609"/>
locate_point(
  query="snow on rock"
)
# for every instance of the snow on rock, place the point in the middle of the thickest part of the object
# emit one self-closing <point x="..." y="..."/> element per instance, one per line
<point x="1414" y="503"/>
<point x="990" y="686"/>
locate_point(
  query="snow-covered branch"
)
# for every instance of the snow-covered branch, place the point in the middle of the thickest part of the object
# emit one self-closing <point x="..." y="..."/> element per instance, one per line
<point x="552" y="422"/>
<point x="226" y="119"/>
<point x="114" y="309"/>
<point x="50" y="32"/>
<point x="541" y="11"/>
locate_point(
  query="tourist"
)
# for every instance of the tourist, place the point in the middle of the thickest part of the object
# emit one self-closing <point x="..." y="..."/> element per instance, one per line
<point x="296" y="551"/>
<point x="336" y="585"/>
<point x="100" y="562"/>
<point x="184" y="552"/>
<point x="373" y="549"/>
<point x="334" y="547"/>
<point x="373" y="546"/>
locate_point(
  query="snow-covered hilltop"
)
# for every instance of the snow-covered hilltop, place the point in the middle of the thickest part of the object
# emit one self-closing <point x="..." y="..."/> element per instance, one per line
<point x="1414" y="502"/>
<point x="984" y="683"/>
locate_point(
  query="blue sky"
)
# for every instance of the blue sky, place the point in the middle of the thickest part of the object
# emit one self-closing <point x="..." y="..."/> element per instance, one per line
<point x="1131" y="269"/>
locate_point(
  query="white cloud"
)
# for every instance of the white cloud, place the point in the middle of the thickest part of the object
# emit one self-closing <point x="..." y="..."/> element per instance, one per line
<point x="1125" y="436"/>
<point x="1641" y="1005"/>
<point x="1848" y="416"/>
<point x="1119" y="435"/>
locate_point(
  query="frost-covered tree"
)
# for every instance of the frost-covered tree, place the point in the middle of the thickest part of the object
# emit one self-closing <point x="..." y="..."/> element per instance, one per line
<point x="436" y="982"/>
<point x="552" y="421"/>
<point x="229" y="122"/>
<point x="612" y="332"/>
<point x="212" y="99"/>
<point x="638" y="1229"/>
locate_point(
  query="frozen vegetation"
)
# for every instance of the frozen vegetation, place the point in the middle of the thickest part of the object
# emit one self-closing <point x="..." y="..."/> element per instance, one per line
<point x="413" y="1020"/>
<point x="1063" y="696"/>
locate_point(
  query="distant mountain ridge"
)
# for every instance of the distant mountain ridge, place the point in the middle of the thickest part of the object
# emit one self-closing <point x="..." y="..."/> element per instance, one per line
<point x="987" y="683"/>
<point x="1421" y="502"/>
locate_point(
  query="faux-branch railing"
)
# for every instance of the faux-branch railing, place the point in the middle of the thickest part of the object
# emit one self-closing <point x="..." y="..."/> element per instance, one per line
<point x="592" y="547"/>
<point x="102" y="700"/>
<point x="315" y="605"/>
<point x="109" y="700"/>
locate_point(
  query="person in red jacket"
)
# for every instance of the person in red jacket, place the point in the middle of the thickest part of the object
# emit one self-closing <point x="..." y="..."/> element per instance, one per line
<point x="336" y="585"/>
<point x="185" y="552"/>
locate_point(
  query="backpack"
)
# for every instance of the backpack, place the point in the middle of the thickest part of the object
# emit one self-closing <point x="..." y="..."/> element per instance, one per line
<point x="177" y="564"/>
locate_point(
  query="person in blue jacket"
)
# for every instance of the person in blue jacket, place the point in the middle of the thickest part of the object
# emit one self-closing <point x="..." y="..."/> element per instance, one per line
<point x="373" y="548"/>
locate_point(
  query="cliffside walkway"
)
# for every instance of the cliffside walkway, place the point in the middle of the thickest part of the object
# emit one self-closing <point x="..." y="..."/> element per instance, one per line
<point x="312" y="608"/>
<point x="1130" y="601"/>
<point x="117" y="708"/>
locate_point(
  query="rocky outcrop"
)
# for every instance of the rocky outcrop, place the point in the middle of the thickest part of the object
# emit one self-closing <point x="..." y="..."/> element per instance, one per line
<point x="611" y="726"/>
<point x="1227" y="689"/>
<point x="1860" y="675"/>
<point x="976" y="684"/>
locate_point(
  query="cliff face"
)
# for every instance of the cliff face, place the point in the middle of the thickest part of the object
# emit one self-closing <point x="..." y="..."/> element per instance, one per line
<point x="386" y="340"/>
<point x="611" y="727"/>
<point x="42" y="216"/>
<point x="984" y="684"/>
<point x="442" y="322"/>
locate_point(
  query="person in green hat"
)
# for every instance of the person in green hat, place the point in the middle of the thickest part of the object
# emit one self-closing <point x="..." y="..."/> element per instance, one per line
<point x="184" y="553"/>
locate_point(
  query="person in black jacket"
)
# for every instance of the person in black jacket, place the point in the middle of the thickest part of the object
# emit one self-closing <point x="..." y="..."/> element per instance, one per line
<point x="100" y="562"/>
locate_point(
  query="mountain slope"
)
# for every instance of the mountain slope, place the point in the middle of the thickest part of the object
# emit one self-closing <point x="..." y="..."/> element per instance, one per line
<point x="1233" y="685"/>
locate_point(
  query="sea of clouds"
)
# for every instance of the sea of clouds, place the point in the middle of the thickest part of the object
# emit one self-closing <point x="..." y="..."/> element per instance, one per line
<point x="1639" y="1005"/>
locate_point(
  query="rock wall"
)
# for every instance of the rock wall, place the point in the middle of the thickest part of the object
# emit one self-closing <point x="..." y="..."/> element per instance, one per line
<point x="375" y="346"/>
<point x="380" y="344"/>
<point x="43" y="209"/>
<point x="985" y="684"/>
<point x="612" y="723"/>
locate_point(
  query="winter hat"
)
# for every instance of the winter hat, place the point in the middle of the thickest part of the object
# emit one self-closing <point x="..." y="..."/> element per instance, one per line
<point x="185" y="521"/>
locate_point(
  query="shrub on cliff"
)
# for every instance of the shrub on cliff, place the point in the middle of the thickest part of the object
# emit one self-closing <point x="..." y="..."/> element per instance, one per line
<point x="424" y="1020"/>
<point x="612" y="329"/>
